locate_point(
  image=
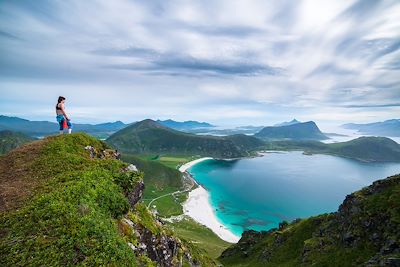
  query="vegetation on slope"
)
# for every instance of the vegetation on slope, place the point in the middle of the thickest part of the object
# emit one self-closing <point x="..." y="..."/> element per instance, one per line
<point x="158" y="178"/>
<point x="70" y="219"/>
<point x="161" y="183"/>
<point x="61" y="205"/>
<point x="161" y="177"/>
<point x="150" y="137"/>
<point x="366" y="148"/>
<point x="364" y="231"/>
<point x="10" y="140"/>
<point x="188" y="229"/>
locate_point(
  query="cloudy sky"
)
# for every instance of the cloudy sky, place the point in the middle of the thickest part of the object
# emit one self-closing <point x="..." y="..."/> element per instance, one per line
<point x="227" y="62"/>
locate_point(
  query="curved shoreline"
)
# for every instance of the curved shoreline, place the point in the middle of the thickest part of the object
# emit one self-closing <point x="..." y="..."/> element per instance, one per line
<point x="198" y="207"/>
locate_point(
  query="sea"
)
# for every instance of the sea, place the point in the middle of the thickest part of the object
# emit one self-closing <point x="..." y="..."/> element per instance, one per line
<point x="258" y="193"/>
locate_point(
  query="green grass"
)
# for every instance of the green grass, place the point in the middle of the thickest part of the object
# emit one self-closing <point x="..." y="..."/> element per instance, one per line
<point x="175" y="162"/>
<point x="75" y="216"/>
<point x="161" y="177"/>
<point x="167" y="206"/>
<point x="72" y="218"/>
<point x="171" y="161"/>
<point x="158" y="178"/>
<point x="200" y="235"/>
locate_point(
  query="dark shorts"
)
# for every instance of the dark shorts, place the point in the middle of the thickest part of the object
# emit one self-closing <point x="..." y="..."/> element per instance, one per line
<point x="60" y="120"/>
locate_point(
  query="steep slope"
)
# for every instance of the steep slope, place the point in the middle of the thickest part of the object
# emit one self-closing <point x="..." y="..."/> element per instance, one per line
<point x="148" y="136"/>
<point x="385" y="128"/>
<point x="66" y="200"/>
<point x="10" y="140"/>
<point x="365" y="148"/>
<point x="157" y="177"/>
<point x="297" y="131"/>
<point x="365" y="231"/>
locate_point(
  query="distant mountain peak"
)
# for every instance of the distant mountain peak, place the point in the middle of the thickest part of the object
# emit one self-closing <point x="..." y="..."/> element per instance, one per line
<point x="386" y="128"/>
<point x="149" y="123"/>
<point x="303" y="130"/>
<point x="294" y="121"/>
<point x="185" y="125"/>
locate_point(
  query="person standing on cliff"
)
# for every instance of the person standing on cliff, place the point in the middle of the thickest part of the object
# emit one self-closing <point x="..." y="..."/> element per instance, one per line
<point x="62" y="117"/>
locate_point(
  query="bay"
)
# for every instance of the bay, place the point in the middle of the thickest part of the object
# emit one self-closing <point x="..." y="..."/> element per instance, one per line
<point x="258" y="193"/>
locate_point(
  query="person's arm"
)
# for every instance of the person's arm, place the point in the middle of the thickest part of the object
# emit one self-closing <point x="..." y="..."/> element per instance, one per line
<point x="63" y="111"/>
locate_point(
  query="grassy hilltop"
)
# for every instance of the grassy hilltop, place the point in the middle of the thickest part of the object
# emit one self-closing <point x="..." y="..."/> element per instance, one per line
<point x="62" y="204"/>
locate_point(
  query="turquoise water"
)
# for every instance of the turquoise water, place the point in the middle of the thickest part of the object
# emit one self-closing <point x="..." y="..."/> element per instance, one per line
<point x="258" y="193"/>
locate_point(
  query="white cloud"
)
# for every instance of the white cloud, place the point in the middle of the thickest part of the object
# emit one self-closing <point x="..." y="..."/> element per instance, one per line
<point x="245" y="61"/>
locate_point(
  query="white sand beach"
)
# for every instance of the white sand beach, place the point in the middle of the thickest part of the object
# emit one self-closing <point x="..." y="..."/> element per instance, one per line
<point x="186" y="166"/>
<point x="198" y="207"/>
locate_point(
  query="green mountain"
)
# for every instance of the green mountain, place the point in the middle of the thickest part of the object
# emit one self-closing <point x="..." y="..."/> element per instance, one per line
<point x="365" y="231"/>
<point x="297" y="131"/>
<point x="365" y="148"/>
<point x="149" y="137"/>
<point x="65" y="200"/>
<point x="384" y="128"/>
<point x="10" y="140"/>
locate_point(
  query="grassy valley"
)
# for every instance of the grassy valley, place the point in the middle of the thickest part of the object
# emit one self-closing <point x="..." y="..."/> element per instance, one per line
<point x="160" y="183"/>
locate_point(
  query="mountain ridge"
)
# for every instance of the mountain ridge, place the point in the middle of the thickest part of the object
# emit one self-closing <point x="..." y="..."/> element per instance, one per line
<point x="150" y="137"/>
<point x="365" y="148"/>
<point x="185" y="125"/>
<point x="386" y="128"/>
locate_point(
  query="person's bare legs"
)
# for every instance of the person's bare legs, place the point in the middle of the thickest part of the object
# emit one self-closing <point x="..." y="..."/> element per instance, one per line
<point x="69" y="131"/>
<point x="61" y="132"/>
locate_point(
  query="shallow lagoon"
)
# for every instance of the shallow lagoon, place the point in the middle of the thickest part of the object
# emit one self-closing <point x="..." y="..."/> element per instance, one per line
<point x="258" y="193"/>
